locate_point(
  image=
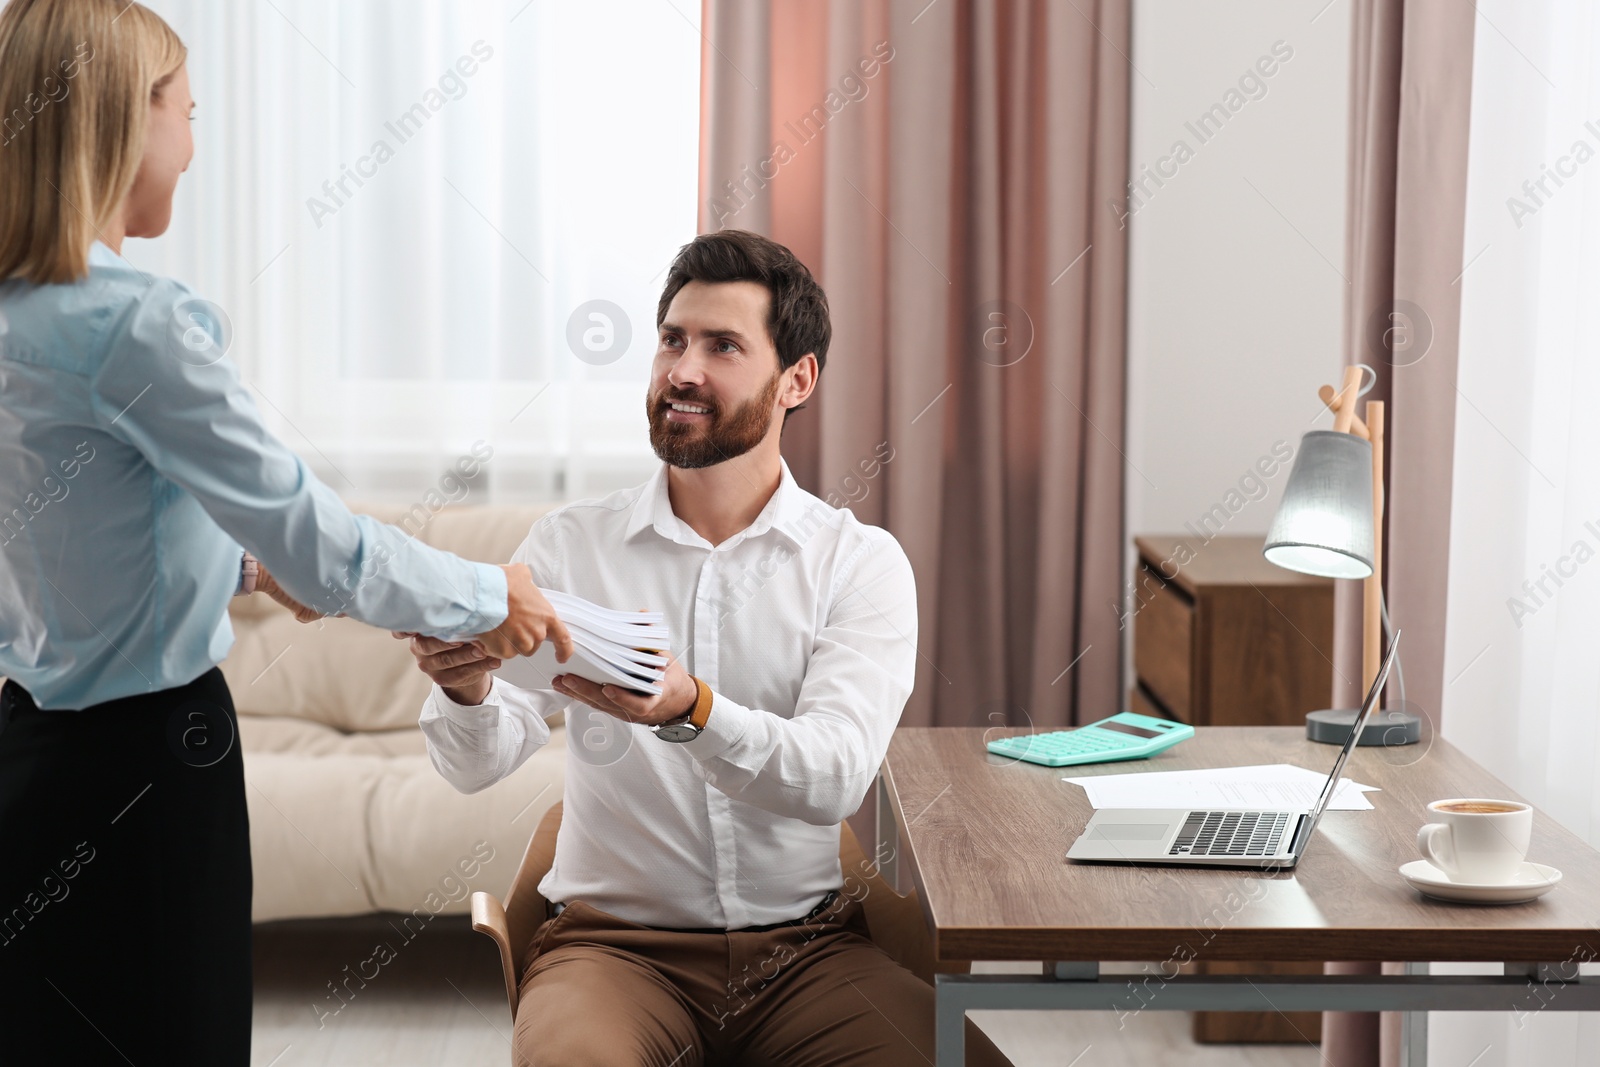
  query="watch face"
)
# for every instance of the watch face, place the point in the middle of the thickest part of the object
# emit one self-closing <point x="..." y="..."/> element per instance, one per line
<point x="677" y="732"/>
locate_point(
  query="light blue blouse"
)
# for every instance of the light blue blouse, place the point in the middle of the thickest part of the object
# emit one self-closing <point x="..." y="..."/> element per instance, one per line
<point x="133" y="466"/>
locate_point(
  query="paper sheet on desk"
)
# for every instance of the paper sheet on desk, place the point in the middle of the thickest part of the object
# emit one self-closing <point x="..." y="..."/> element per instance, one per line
<point x="1276" y="786"/>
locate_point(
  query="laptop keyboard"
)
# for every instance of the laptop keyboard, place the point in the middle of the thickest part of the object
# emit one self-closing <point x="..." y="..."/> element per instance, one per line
<point x="1230" y="833"/>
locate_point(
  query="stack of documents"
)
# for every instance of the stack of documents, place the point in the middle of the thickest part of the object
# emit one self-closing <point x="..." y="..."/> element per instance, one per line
<point x="608" y="647"/>
<point x="1275" y="787"/>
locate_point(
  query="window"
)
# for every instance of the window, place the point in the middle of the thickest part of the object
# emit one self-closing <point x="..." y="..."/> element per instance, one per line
<point x="433" y="224"/>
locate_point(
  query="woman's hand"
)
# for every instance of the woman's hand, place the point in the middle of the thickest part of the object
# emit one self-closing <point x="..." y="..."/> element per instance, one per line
<point x="267" y="584"/>
<point x="530" y="621"/>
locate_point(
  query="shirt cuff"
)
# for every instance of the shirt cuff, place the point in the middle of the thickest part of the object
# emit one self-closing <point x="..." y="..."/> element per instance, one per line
<point x="477" y="715"/>
<point x="492" y="601"/>
<point x="725" y="727"/>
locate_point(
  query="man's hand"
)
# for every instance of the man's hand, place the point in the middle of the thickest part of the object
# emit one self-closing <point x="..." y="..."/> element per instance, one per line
<point x="678" y="695"/>
<point x="461" y="669"/>
<point x="530" y="620"/>
<point x="266" y="583"/>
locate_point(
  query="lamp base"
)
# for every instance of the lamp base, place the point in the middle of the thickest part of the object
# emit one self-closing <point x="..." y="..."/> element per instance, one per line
<point x="1386" y="727"/>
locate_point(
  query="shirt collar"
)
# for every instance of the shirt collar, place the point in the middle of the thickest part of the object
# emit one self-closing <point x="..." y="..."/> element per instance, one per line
<point x="785" y="512"/>
<point x="101" y="255"/>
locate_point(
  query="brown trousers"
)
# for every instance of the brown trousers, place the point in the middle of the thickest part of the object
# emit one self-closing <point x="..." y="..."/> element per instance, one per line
<point x="600" y="990"/>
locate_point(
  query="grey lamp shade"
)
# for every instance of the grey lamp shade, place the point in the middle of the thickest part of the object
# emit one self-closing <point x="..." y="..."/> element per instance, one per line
<point x="1324" y="523"/>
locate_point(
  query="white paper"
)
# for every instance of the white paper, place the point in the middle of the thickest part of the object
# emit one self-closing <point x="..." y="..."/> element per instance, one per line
<point x="1275" y="786"/>
<point x="607" y="648"/>
<point x="538" y="671"/>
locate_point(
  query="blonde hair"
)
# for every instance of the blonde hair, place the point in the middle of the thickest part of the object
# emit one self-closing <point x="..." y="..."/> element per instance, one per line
<point x="76" y="81"/>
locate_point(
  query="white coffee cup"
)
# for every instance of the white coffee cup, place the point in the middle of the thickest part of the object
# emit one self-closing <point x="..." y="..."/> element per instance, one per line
<point x="1477" y="840"/>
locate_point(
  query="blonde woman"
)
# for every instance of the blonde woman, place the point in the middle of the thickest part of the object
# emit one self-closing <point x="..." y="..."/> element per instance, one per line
<point x="138" y="488"/>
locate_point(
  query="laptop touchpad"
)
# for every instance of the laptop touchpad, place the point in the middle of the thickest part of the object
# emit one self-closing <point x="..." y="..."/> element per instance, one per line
<point x="1131" y="831"/>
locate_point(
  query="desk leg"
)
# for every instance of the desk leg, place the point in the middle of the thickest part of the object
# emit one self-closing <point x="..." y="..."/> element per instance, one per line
<point x="954" y="995"/>
<point x="1414" y="1029"/>
<point x="949" y="1026"/>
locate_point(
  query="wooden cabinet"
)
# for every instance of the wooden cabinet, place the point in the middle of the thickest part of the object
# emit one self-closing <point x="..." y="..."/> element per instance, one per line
<point x="1221" y="637"/>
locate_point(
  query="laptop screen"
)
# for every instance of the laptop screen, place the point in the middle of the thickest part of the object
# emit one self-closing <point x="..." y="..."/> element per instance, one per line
<point x="1367" y="707"/>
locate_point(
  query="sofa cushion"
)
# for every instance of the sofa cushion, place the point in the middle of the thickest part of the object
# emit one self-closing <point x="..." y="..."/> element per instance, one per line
<point x="346" y="834"/>
<point x="308" y="833"/>
<point x="426" y="835"/>
<point x="490" y="534"/>
<point x="275" y="733"/>
<point x="337" y="672"/>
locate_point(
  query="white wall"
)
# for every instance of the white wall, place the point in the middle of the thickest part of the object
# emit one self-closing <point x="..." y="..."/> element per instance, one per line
<point x="1235" y="286"/>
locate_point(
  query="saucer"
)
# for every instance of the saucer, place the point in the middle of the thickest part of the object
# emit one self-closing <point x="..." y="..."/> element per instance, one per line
<point x="1532" y="880"/>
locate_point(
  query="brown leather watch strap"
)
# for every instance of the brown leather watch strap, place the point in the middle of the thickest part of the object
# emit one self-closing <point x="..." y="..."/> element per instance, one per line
<point x="702" y="705"/>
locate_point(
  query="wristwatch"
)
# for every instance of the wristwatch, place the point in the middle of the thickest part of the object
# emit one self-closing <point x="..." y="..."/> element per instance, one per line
<point x="249" y="574"/>
<point x="687" y="728"/>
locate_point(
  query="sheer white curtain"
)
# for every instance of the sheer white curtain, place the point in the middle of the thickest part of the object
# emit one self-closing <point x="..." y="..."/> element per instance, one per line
<point x="1523" y="633"/>
<point x="402" y="207"/>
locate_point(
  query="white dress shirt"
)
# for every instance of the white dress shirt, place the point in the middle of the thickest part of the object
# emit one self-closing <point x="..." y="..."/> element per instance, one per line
<point x="804" y="625"/>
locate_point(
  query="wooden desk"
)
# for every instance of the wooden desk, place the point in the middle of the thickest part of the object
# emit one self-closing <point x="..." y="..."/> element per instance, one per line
<point x="1221" y="637"/>
<point x="985" y="841"/>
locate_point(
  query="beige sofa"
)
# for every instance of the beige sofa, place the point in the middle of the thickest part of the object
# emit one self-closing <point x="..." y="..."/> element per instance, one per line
<point x="347" y="816"/>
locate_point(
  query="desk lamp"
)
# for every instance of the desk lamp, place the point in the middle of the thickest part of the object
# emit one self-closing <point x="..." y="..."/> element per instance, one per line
<point x="1330" y="524"/>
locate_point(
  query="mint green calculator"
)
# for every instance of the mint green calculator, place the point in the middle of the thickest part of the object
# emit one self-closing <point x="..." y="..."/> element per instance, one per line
<point x="1125" y="736"/>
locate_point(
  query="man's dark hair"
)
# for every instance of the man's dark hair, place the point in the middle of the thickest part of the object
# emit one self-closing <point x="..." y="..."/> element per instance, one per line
<point x="797" y="319"/>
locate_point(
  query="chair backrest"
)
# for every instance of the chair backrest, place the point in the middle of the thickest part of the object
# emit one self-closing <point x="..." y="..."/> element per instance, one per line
<point x="895" y="920"/>
<point x="525" y="907"/>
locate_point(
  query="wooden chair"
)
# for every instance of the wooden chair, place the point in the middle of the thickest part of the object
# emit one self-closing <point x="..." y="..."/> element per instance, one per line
<point x="896" y="921"/>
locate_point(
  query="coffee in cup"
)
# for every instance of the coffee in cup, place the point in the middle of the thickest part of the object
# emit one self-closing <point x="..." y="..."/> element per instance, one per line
<point x="1477" y="840"/>
<point x="1478" y="807"/>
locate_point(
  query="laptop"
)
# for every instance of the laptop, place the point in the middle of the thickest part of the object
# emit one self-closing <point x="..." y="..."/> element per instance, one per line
<point x="1222" y="837"/>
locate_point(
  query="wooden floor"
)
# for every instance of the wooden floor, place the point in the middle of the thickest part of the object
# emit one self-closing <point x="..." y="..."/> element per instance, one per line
<point x="438" y="1002"/>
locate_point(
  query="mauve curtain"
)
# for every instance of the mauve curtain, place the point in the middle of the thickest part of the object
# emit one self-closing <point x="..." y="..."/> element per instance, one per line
<point x="1410" y="100"/>
<point x="946" y="170"/>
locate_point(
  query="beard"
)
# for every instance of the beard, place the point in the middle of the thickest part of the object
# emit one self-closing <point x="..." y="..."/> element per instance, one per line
<point x="723" y="436"/>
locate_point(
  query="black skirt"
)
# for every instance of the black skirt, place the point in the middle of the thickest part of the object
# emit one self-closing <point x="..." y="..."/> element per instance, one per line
<point x="124" y="880"/>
